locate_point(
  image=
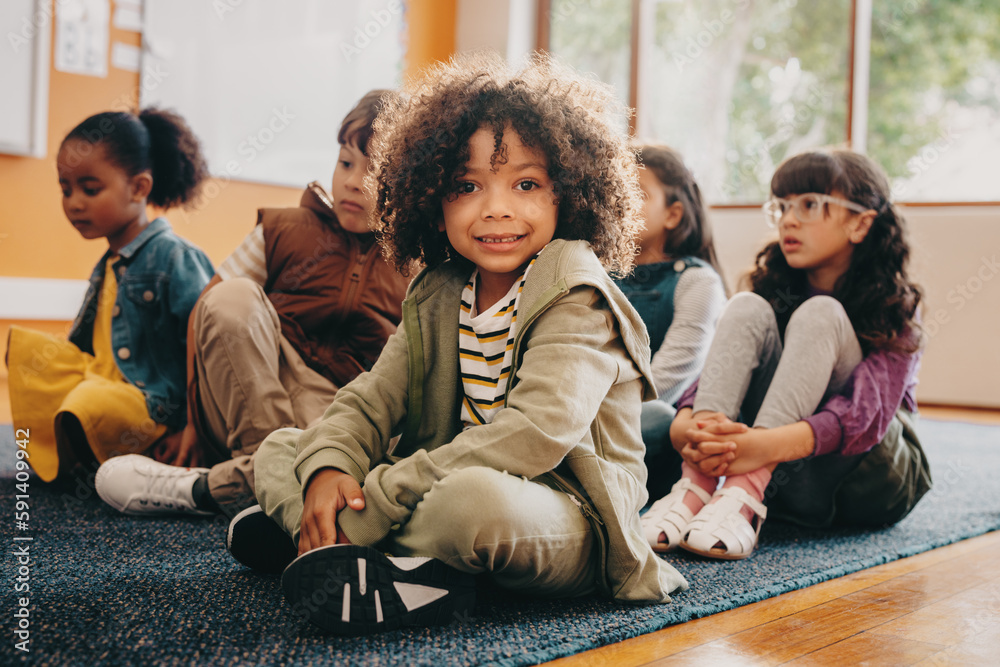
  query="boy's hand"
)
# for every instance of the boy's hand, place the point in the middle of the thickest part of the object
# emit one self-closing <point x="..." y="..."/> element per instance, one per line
<point x="179" y="449"/>
<point x="329" y="491"/>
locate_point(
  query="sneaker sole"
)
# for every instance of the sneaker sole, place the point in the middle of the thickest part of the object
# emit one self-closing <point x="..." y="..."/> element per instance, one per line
<point x="260" y="543"/>
<point x="353" y="590"/>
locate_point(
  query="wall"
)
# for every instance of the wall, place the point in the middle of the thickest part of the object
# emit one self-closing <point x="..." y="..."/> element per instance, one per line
<point x="36" y="242"/>
<point x="956" y="258"/>
<point x="505" y="26"/>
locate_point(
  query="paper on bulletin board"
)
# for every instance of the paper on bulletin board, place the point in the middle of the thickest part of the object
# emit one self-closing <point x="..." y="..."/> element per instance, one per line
<point x="126" y="57"/>
<point x="82" y="28"/>
<point x="128" y="17"/>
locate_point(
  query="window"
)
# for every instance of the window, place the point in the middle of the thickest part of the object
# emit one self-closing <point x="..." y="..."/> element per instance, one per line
<point x="934" y="98"/>
<point x="739" y="85"/>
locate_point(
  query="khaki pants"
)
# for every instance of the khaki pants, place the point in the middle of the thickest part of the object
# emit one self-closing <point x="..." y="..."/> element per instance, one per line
<point x="251" y="382"/>
<point x="528" y="536"/>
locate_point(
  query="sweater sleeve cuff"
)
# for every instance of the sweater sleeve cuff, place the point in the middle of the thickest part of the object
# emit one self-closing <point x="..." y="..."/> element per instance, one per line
<point x="687" y="398"/>
<point x="827" y="433"/>
<point x="327" y="458"/>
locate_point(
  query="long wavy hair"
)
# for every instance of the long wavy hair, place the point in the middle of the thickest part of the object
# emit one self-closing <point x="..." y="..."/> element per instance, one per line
<point x="876" y="291"/>
<point x="693" y="235"/>
<point x="421" y="144"/>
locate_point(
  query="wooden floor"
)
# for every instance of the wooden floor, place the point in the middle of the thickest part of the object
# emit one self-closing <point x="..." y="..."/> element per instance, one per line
<point x="940" y="607"/>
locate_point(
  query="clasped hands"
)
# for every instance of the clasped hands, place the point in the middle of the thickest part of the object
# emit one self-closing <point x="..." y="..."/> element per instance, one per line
<point x="716" y="445"/>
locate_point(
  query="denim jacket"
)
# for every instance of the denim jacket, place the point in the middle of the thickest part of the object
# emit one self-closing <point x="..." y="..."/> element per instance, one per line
<point x="160" y="277"/>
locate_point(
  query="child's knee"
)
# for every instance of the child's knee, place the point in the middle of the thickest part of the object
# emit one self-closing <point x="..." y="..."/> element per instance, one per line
<point x="274" y="467"/>
<point x="748" y="307"/>
<point x="231" y="308"/>
<point x="819" y="316"/>
<point x="476" y="504"/>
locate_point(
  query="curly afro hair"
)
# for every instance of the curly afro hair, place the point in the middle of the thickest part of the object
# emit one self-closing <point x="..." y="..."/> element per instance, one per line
<point x="420" y="145"/>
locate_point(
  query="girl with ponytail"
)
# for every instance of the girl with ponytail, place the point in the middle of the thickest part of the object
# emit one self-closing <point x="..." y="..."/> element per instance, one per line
<point x="118" y="384"/>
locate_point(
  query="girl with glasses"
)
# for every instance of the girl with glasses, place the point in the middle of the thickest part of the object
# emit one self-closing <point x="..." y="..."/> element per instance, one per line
<point x="807" y="395"/>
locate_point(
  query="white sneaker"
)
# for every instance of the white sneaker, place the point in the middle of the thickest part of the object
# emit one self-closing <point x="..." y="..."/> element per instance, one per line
<point x="138" y="485"/>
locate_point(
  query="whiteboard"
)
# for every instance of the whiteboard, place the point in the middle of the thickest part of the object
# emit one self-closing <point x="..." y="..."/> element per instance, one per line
<point x="265" y="84"/>
<point x="24" y="76"/>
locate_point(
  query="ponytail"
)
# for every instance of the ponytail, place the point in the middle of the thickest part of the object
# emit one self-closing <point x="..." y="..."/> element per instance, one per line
<point x="157" y="141"/>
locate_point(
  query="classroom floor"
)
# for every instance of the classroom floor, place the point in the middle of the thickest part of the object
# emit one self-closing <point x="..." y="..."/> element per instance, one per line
<point x="941" y="607"/>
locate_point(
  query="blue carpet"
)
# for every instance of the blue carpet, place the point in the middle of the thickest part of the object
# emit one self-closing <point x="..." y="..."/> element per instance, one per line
<point x="112" y="590"/>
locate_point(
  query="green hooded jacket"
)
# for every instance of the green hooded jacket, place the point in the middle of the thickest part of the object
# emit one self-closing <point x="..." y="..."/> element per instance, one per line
<point x="580" y="371"/>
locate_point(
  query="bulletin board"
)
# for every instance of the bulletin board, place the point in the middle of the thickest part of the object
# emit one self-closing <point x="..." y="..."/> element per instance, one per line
<point x="24" y="76"/>
<point x="265" y="84"/>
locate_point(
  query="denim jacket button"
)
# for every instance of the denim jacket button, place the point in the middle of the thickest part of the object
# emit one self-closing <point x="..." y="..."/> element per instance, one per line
<point x="124" y="353"/>
<point x="679" y="265"/>
<point x="116" y="311"/>
<point x="147" y="296"/>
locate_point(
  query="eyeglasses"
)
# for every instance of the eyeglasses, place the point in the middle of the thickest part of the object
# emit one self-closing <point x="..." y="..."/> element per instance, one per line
<point x="807" y="208"/>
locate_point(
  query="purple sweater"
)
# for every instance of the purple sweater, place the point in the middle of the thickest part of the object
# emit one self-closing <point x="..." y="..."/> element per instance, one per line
<point x="856" y="419"/>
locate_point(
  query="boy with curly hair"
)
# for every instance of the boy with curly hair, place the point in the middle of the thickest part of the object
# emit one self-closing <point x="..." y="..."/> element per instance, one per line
<point x="514" y="381"/>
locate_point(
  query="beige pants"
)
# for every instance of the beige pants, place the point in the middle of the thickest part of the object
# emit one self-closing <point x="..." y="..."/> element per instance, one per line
<point x="251" y="382"/>
<point x="528" y="536"/>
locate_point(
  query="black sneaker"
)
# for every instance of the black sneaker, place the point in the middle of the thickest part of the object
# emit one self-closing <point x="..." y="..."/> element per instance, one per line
<point x="255" y="540"/>
<point x="351" y="590"/>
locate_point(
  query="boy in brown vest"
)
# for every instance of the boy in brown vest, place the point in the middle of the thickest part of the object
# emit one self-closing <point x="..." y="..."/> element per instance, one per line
<point x="299" y="309"/>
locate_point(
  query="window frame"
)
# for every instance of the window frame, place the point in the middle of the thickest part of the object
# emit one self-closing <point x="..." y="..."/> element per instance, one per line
<point x="858" y="68"/>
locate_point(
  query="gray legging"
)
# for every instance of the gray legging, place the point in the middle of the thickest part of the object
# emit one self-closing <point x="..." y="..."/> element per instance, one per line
<point x="754" y="377"/>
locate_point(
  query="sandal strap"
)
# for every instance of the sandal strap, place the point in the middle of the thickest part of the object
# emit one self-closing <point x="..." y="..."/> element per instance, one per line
<point x="722" y="521"/>
<point x="741" y="495"/>
<point x="684" y="484"/>
<point x="670" y="515"/>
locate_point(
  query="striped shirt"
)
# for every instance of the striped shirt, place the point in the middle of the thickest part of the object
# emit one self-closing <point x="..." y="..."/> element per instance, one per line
<point x="485" y="348"/>
<point x="248" y="260"/>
